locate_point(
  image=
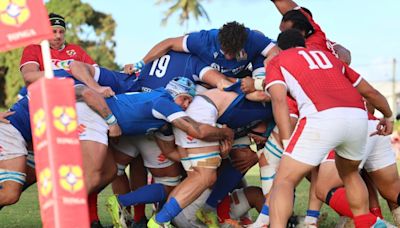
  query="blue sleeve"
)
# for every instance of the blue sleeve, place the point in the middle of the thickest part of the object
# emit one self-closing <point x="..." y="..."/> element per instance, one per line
<point x="260" y="42"/>
<point x="166" y="109"/>
<point x="195" y="42"/>
<point x="199" y="67"/>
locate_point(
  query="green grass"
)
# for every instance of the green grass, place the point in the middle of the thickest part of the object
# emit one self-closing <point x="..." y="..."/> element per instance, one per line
<point x="26" y="212"/>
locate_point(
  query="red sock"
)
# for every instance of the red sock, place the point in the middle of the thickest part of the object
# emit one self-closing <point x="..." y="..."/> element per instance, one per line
<point x="364" y="221"/>
<point x="376" y="211"/>
<point x="223" y="209"/>
<point x="92" y="201"/>
<point x="340" y="204"/>
<point x="139" y="212"/>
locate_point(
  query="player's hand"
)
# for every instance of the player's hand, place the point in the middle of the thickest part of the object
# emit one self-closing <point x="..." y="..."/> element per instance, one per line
<point x="229" y="134"/>
<point x="247" y="85"/>
<point x="224" y="147"/>
<point x="4" y="115"/>
<point x="384" y="127"/>
<point x="105" y="91"/>
<point x="114" y="132"/>
<point x="133" y="68"/>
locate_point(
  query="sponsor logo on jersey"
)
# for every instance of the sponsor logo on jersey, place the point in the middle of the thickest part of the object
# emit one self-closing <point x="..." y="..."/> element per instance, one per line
<point x="61" y="64"/>
<point x="71" y="52"/>
<point x="39" y="123"/>
<point x="71" y="178"/>
<point x="45" y="183"/>
<point x="64" y="119"/>
<point x="14" y="12"/>
<point x="81" y="129"/>
<point x="161" y="158"/>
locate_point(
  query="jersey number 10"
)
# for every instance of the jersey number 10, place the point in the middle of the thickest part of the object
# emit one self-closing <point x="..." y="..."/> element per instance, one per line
<point x="316" y="59"/>
<point x="160" y="66"/>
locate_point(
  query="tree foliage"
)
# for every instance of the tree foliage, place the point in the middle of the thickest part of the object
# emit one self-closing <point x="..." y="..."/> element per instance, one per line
<point x="186" y="8"/>
<point x="91" y="29"/>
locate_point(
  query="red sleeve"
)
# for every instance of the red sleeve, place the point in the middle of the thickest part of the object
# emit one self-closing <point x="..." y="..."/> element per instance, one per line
<point x="83" y="56"/>
<point x="353" y="76"/>
<point x="273" y="73"/>
<point x="31" y="54"/>
<point x="293" y="109"/>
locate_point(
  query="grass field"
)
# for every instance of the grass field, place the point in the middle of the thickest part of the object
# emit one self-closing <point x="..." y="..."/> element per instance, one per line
<point x="26" y="212"/>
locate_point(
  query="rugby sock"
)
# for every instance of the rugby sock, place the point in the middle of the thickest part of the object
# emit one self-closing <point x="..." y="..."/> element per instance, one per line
<point x="92" y="201"/>
<point x="152" y="193"/>
<point x="263" y="217"/>
<point x="312" y="217"/>
<point x="139" y="212"/>
<point x="337" y="200"/>
<point x="226" y="182"/>
<point x="168" y="211"/>
<point x="376" y="211"/>
<point x="366" y="220"/>
<point x="223" y="209"/>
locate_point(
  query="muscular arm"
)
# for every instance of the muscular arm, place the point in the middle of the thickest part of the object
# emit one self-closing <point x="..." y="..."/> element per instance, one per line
<point x="202" y="131"/>
<point x="258" y="96"/>
<point x="284" y="5"/>
<point x="168" y="148"/>
<point x="374" y="97"/>
<point x="163" y="47"/>
<point x="217" y="79"/>
<point x="93" y="99"/>
<point x="280" y="110"/>
<point x="31" y="72"/>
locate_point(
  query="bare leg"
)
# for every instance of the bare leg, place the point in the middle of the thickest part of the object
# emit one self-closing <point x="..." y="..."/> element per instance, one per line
<point x="10" y="191"/>
<point x="357" y="193"/>
<point x="290" y="173"/>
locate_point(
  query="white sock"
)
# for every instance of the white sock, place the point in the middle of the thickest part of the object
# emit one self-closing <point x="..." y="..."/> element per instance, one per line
<point x="262" y="219"/>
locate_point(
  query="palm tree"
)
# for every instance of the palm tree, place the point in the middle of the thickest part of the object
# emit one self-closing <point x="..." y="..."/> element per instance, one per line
<point x="187" y="7"/>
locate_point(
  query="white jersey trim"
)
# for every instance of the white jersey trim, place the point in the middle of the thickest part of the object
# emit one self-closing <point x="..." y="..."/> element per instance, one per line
<point x="96" y="73"/>
<point x="355" y="84"/>
<point x="28" y="63"/>
<point x="176" y="115"/>
<point x="267" y="49"/>
<point x="184" y="44"/>
<point x="273" y="83"/>
<point x="204" y="71"/>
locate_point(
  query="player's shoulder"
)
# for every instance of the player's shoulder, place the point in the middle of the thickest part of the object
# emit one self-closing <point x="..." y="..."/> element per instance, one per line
<point x="33" y="47"/>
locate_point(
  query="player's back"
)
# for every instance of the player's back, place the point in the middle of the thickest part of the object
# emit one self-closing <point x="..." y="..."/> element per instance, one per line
<point x="158" y="73"/>
<point x="318" y="80"/>
<point x="134" y="111"/>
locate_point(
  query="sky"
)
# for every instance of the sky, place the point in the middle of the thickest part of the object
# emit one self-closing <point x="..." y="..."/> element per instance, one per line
<point x="370" y="29"/>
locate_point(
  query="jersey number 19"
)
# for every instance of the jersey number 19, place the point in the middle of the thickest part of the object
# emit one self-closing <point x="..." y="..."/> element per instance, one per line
<point x="160" y="66"/>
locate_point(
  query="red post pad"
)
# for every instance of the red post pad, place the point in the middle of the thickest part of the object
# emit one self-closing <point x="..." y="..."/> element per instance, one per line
<point x="58" y="158"/>
<point x="23" y="22"/>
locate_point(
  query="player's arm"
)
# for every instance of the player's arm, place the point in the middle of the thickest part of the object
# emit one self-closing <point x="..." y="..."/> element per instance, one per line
<point x="85" y="73"/>
<point x="284" y="5"/>
<point x="258" y="96"/>
<point x="280" y="110"/>
<point x="216" y="79"/>
<point x="376" y="99"/>
<point x="97" y="103"/>
<point x="202" y="131"/>
<point x="160" y="49"/>
<point x="168" y="147"/>
<point x="31" y="72"/>
<point x="4" y="115"/>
